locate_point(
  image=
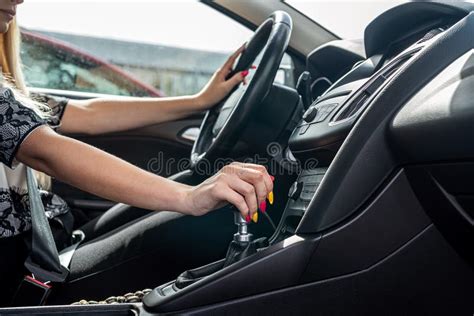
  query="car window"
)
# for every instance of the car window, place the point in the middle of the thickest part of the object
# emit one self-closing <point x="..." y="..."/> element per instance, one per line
<point x="50" y="64"/>
<point x="144" y="48"/>
<point x="329" y="14"/>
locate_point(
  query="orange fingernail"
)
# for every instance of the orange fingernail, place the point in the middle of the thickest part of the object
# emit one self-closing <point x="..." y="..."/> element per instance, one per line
<point x="244" y="73"/>
<point x="255" y="217"/>
<point x="270" y="197"/>
<point x="263" y="206"/>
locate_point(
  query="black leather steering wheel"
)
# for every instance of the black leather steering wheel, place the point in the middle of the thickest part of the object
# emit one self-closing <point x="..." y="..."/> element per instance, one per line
<point x="222" y="124"/>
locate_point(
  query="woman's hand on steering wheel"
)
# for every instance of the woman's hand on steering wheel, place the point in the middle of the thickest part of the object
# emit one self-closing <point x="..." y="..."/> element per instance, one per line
<point x="244" y="185"/>
<point x="219" y="86"/>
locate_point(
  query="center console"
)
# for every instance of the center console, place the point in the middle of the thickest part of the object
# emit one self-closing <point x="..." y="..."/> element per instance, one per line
<point x="299" y="196"/>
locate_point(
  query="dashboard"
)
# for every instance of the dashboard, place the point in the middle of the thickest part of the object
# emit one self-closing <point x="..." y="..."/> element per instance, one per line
<point x="348" y="76"/>
<point x="346" y="81"/>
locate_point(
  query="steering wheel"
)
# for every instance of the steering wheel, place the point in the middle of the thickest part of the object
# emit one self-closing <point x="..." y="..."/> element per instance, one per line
<point x="222" y="124"/>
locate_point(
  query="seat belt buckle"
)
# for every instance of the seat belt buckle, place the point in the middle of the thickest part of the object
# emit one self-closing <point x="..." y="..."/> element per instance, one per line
<point x="31" y="292"/>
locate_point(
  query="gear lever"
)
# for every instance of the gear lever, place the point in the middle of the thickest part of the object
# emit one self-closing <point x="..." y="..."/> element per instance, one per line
<point x="240" y="247"/>
<point x="243" y="244"/>
<point x="242" y="235"/>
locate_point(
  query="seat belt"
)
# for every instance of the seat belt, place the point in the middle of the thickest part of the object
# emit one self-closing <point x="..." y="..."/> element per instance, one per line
<point x="65" y="256"/>
<point x="44" y="262"/>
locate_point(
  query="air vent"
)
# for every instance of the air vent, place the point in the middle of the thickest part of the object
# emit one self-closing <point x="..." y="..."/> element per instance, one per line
<point x="432" y="33"/>
<point x="353" y="106"/>
<point x="361" y="98"/>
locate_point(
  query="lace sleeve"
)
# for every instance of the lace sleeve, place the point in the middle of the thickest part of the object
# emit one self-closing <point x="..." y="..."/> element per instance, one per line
<point x="16" y="123"/>
<point x="57" y="105"/>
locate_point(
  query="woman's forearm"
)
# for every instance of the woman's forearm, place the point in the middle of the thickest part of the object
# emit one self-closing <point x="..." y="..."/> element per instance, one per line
<point x="103" y="115"/>
<point x="99" y="173"/>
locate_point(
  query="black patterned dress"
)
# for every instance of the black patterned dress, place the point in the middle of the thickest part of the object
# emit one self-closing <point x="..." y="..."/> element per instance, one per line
<point x="17" y="122"/>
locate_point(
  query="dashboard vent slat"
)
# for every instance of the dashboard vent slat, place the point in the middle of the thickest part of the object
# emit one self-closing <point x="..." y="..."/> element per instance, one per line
<point x="360" y="99"/>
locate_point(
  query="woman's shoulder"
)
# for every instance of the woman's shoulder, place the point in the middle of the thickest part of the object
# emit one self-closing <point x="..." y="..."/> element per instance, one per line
<point x="12" y="109"/>
<point x="7" y="98"/>
<point x="17" y="121"/>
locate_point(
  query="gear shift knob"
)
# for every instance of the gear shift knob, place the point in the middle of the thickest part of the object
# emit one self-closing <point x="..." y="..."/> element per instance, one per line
<point x="242" y="235"/>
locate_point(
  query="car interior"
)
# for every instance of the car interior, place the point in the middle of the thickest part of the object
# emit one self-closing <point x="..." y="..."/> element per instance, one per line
<point x="373" y="157"/>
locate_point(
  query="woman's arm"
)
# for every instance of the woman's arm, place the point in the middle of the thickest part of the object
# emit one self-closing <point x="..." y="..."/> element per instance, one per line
<point x="104" y="115"/>
<point x="94" y="171"/>
<point x="97" y="116"/>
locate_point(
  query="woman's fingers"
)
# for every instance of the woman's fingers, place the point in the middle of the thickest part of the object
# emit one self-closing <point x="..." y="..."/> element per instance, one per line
<point x="234" y="80"/>
<point x="227" y="67"/>
<point x="232" y="58"/>
<point x="253" y="173"/>
<point x="234" y="190"/>
<point x="256" y="179"/>
<point x="230" y="195"/>
<point x="267" y="179"/>
<point x="246" y="190"/>
<point x="243" y="185"/>
<point x="251" y="181"/>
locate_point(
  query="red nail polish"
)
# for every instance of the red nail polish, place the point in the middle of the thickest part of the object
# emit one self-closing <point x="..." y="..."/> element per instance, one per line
<point x="244" y="73"/>
<point x="263" y="206"/>
<point x="272" y="177"/>
<point x="253" y="67"/>
<point x="247" y="218"/>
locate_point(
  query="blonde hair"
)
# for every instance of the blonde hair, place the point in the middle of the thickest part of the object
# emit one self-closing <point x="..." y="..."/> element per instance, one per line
<point x="11" y="65"/>
<point x="12" y="77"/>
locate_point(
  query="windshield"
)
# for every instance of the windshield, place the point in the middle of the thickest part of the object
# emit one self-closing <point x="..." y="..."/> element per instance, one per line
<point x="346" y="19"/>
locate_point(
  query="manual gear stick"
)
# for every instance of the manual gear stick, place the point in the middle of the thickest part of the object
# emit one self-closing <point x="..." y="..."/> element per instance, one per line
<point x="243" y="244"/>
<point x="242" y="235"/>
<point x="240" y="247"/>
